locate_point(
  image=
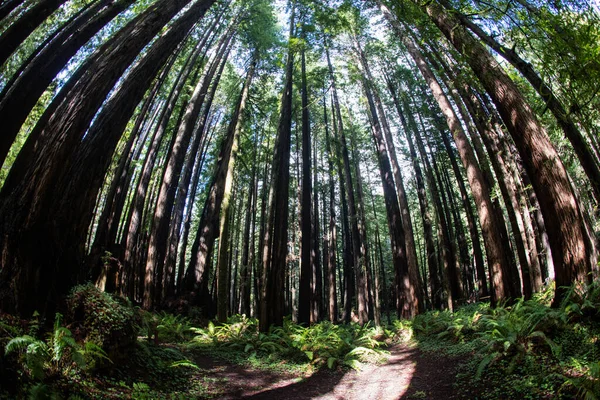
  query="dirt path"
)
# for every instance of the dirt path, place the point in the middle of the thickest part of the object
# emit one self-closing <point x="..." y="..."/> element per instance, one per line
<point x="408" y="374"/>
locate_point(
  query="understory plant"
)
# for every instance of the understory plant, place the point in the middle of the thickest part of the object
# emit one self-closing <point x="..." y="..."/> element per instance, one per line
<point x="58" y="355"/>
<point x="524" y="349"/>
<point x="320" y="344"/>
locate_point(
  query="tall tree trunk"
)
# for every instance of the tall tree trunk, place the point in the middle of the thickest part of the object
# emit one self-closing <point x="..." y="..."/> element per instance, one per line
<point x="406" y="300"/>
<point x="19" y="30"/>
<point x="586" y="157"/>
<point x="359" y="261"/>
<point x="228" y="158"/>
<point x="411" y="250"/>
<point x="307" y="256"/>
<point x="164" y="204"/>
<point x="317" y="303"/>
<point x="188" y="217"/>
<point x="496" y="253"/>
<point x="409" y="131"/>
<point x="348" y="289"/>
<point x="276" y="234"/>
<point x="332" y="232"/>
<point x="20" y="96"/>
<point x="60" y="159"/>
<point x="570" y="245"/>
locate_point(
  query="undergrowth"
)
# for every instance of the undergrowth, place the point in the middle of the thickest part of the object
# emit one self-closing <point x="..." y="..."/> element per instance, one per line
<point x="526" y="350"/>
<point x="291" y="346"/>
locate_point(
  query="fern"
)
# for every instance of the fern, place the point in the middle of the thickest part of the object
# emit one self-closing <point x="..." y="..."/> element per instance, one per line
<point x="185" y="363"/>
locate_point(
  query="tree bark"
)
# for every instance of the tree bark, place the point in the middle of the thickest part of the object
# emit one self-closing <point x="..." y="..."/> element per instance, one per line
<point x="19" y="30"/>
<point x="57" y="162"/>
<point x="358" y="248"/>
<point x="20" y="96"/>
<point x="307" y="256"/>
<point x="224" y="178"/>
<point x="586" y="157"/>
<point x="570" y="245"/>
<point x="276" y="234"/>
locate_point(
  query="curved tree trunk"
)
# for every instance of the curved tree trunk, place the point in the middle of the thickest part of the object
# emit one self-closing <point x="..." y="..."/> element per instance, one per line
<point x="20" y="97"/>
<point x="19" y="30"/>
<point x="586" y="157"/>
<point x="559" y="205"/>
<point x="56" y="186"/>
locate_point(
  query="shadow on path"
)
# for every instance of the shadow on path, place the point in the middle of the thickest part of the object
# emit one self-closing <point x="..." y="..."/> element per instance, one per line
<point x="407" y="374"/>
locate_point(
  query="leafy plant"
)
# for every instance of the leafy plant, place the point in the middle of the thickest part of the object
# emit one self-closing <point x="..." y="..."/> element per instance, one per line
<point x="57" y="355"/>
<point x="512" y="332"/>
<point x="319" y="345"/>
<point x="99" y="317"/>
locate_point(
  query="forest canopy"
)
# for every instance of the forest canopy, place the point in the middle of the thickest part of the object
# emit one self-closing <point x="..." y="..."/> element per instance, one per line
<point x="324" y="160"/>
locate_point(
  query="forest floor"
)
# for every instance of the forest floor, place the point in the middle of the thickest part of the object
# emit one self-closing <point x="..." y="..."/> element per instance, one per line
<point x="408" y="373"/>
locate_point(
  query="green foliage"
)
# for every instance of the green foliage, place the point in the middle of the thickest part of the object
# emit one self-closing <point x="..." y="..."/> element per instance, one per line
<point x="527" y="349"/>
<point x="58" y="355"/>
<point x="165" y="327"/>
<point x="109" y="321"/>
<point x="318" y="345"/>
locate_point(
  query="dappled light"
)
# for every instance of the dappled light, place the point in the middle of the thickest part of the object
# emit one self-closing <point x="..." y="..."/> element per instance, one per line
<point x="298" y="199"/>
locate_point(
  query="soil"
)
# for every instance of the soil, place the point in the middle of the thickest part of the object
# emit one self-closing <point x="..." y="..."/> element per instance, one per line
<point x="408" y="373"/>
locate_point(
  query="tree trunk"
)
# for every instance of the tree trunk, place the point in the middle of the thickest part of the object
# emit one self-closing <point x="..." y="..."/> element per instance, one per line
<point x="586" y="157"/>
<point x="57" y="162"/>
<point x="307" y="255"/>
<point x="19" y="30"/>
<point x="496" y="253"/>
<point x="276" y="234"/>
<point x="224" y="179"/>
<point x="332" y="232"/>
<point x="565" y="226"/>
<point x="359" y="261"/>
<point x="20" y="96"/>
<point x="411" y="250"/>
<point x="164" y="204"/>
<point x="406" y="300"/>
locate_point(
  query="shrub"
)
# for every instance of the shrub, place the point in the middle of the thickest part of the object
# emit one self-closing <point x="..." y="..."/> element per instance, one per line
<point x="99" y="317"/>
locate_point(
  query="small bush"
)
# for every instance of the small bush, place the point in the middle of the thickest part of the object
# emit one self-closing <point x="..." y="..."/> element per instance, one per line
<point x="99" y="317"/>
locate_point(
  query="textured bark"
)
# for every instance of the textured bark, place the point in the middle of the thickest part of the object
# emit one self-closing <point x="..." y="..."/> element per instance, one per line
<point x="410" y="130"/>
<point x="406" y="301"/>
<point x="57" y="162"/>
<point x="181" y="269"/>
<point x="332" y="229"/>
<point x="247" y="255"/>
<point x="116" y="196"/>
<point x="19" y="30"/>
<point x="20" y="96"/>
<point x="411" y="250"/>
<point x="558" y="203"/>
<point x="359" y="259"/>
<point x="318" y="312"/>
<point x="362" y="275"/>
<point x="496" y="253"/>
<point x="348" y="291"/>
<point x="587" y="159"/>
<point x="224" y="182"/>
<point x="201" y="97"/>
<point x="276" y="233"/>
<point x="482" y="286"/>
<point x="307" y="255"/>
<point x="451" y="271"/>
